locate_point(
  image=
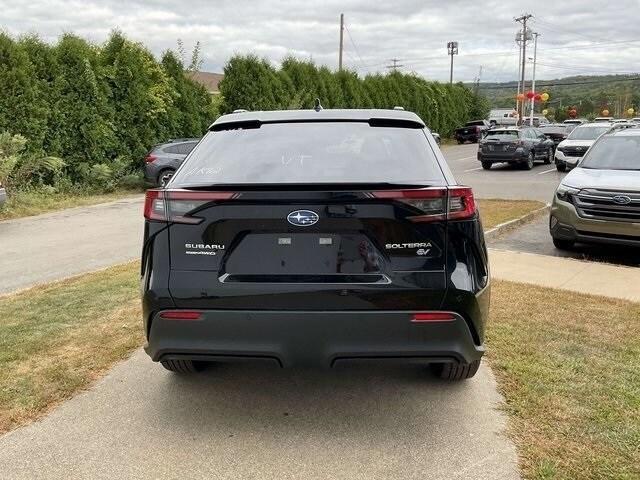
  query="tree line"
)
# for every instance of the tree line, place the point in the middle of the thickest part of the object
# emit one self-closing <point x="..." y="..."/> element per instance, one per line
<point x="254" y="84"/>
<point x="99" y="108"/>
<point x="79" y="113"/>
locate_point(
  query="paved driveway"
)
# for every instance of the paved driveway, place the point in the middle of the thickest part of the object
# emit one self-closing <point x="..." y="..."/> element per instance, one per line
<point x="249" y="422"/>
<point x="56" y="245"/>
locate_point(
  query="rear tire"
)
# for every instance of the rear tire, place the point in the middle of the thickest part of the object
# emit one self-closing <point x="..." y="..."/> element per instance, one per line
<point x="528" y="165"/>
<point x="486" y="165"/>
<point x="563" y="244"/>
<point x="182" y="366"/>
<point x="456" y="371"/>
<point x="561" y="167"/>
<point x="164" y="176"/>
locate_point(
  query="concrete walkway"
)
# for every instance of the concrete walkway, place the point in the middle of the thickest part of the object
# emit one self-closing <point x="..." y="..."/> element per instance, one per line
<point x="250" y="422"/>
<point x="566" y="273"/>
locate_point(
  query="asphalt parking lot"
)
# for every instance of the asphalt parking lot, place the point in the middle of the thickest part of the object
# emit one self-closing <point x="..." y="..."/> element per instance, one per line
<point x="534" y="238"/>
<point x="540" y="183"/>
<point x="502" y="181"/>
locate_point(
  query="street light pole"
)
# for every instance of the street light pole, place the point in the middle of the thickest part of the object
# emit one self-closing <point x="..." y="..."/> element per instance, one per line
<point x="452" y="49"/>
<point x="533" y="78"/>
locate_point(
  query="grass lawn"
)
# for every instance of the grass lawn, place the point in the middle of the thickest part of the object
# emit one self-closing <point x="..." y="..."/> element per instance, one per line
<point x="495" y="211"/>
<point x="57" y="339"/>
<point x="25" y="204"/>
<point x="569" y="368"/>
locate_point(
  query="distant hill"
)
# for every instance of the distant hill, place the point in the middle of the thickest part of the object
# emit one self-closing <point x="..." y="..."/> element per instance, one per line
<point x="589" y="94"/>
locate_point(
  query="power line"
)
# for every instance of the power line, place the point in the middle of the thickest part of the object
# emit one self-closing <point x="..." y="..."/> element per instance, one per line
<point x="354" y="45"/>
<point x="511" y="85"/>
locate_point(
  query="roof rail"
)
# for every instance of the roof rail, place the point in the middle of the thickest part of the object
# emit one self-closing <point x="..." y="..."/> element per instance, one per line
<point x="398" y="108"/>
<point x="239" y="110"/>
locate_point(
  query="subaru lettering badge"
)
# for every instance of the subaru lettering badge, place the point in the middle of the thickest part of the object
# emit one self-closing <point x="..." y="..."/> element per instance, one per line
<point x="622" y="200"/>
<point x="303" y="218"/>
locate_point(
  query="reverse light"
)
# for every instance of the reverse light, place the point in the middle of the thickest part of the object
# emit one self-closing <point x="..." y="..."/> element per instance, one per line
<point x="181" y="315"/>
<point x="175" y="205"/>
<point x="430" y="317"/>
<point x="453" y="203"/>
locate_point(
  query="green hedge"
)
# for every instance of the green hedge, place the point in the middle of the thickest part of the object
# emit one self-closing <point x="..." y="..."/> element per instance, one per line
<point x="96" y="105"/>
<point x="254" y="84"/>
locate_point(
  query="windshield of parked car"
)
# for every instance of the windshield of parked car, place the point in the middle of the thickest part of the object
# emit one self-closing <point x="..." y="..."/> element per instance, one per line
<point x="588" y="133"/>
<point x="311" y="152"/>
<point x="554" y="129"/>
<point x="614" y="153"/>
<point x="502" y="135"/>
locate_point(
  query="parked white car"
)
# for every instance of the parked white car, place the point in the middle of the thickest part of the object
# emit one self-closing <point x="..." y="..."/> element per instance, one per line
<point x="570" y="151"/>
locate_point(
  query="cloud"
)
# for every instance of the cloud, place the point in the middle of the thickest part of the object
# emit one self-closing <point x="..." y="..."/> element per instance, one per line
<point x="577" y="37"/>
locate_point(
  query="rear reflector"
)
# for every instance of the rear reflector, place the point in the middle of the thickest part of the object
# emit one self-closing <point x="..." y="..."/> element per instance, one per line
<point x="181" y="315"/>
<point x="426" y="317"/>
<point x="453" y="203"/>
<point x="176" y="205"/>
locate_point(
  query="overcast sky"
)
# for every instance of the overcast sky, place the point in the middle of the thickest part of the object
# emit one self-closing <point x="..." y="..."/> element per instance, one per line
<point x="577" y="36"/>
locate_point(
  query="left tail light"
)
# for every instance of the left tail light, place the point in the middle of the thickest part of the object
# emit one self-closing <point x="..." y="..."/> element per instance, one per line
<point x="452" y="203"/>
<point x="150" y="158"/>
<point x="176" y="205"/>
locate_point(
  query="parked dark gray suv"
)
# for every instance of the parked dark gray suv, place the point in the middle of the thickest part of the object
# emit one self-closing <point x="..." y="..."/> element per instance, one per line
<point x="164" y="159"/>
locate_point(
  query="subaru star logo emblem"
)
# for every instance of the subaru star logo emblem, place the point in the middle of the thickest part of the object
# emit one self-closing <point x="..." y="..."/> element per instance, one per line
<point x="622" y="200"/>
<point x="303" y="218"/>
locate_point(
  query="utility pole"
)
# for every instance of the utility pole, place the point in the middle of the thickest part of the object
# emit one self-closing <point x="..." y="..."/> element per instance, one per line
<point x="452" y="49"/>
<point x="341" y="42"/>
<point x="533" y="78"/>
<point x="517" y="109"/>
<point x="525" y="37"/>
<point x="394" y="64"/>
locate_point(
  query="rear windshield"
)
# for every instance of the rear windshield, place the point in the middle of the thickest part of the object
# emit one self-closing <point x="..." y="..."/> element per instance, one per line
<point x="475" y="123"/>
<point x="502" y="135"/>
<point x="614" y="153"/>
<point x="588" y="133"/>
<point x="311" y="152"/>
<point x="554" y="130"/>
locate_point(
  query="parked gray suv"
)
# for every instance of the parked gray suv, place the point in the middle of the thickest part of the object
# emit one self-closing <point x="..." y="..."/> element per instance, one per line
<point x="163" y="160"/>
<point x="599" y="201"/>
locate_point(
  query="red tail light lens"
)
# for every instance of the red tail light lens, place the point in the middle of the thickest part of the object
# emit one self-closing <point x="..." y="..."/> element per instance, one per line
<point x="453" y="203"/>
<point x="150" y="158"/>
<point x="175" y="205"/>
<point x="427" y="317"/>
<point x="181" y="315"/>
<point x="461" y="203"/>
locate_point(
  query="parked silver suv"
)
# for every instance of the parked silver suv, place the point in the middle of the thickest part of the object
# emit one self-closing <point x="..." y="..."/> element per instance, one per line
<point x="570" y="151"/>
<point x="599" y="201"/>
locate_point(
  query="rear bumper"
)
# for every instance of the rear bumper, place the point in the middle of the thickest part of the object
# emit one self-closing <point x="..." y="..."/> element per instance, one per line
<point x="312" y="338"/>
<point x="518" y="156"/>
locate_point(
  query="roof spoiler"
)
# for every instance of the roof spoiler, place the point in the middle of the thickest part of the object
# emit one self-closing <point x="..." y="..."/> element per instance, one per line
<point x="373" y="122"/>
